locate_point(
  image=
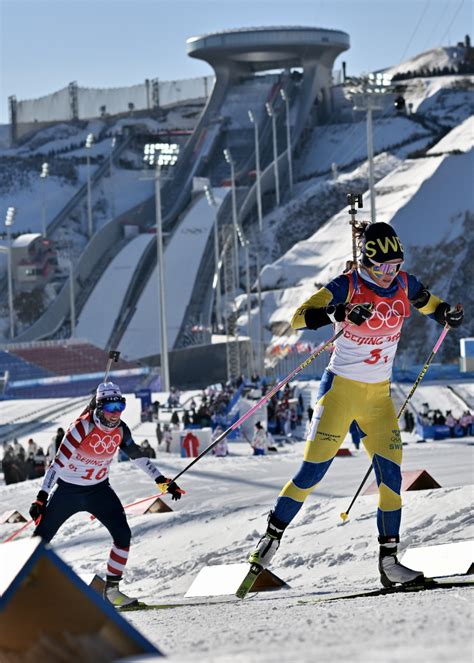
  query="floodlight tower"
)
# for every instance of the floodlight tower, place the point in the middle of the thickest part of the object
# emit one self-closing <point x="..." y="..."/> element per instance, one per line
<point x="161" y="155"/>
<point x="284" y="96"/>
<point x="272" y="116"/>
<point x="9" y="219"/>
<point x="367" y="95"/>
<point x="217" y="278"/>
<point x="44" y="176"/>
<point x="230" y="161"/>
<point x="253" y="120"/>
<point x="89" y="143"/>
<point x="111" y="174"/>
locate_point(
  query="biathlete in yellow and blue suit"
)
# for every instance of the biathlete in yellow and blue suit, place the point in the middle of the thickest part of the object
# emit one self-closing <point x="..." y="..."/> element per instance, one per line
<point x="371" y="304"/>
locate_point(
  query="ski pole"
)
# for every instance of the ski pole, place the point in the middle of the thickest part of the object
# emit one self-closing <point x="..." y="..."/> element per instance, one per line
<point x="127" y="506"/>
<point x="345" y="514"/>
<point x="425" y="368"/>
<point x="263" y="400"/>
<point x="18" y="531"/>
<point x="145" y="499"/>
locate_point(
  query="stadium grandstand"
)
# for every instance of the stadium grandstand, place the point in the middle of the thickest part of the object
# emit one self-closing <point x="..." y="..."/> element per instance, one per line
<point x="51" y="369"/>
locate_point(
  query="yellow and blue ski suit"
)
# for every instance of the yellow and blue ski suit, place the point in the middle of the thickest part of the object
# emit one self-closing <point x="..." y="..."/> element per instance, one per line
<point x="356" y="387"/>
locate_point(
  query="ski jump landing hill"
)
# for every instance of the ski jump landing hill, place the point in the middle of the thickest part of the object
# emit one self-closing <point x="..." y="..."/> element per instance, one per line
<point x="240" y="59"/>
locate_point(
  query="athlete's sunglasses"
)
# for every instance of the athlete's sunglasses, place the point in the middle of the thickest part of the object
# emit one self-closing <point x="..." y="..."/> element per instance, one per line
<point x="384" y="268"/>
<point x="115" y="406"/>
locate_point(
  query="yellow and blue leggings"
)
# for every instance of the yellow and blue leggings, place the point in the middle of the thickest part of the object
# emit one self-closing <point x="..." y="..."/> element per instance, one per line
<point x="341" y="401"/>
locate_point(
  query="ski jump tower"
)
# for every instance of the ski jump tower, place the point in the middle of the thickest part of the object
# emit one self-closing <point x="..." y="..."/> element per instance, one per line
<point x="243" y="52"/>
<point x="239" y="55"/>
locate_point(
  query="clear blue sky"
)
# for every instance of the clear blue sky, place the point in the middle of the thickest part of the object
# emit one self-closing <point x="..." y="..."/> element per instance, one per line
<point x="45" y="44"/>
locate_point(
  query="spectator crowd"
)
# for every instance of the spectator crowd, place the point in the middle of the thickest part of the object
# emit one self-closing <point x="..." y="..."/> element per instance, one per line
<point x="459" y="426"/>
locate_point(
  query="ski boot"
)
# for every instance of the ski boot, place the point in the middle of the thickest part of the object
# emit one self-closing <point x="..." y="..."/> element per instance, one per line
<point x="269" y="543"/>
<point x="391" y="571"/>
<point x="113" y="594"/>
<point x="261" y="557"/>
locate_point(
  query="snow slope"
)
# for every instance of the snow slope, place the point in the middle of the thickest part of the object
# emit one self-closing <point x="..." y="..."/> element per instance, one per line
<point x="220" y="518"/>
<point x="430" y="226"/>
<point x="182" y="258"/>
<point x="460" y="138"/>
<point x="98" y="317"/>
<point x="343" y="144"/>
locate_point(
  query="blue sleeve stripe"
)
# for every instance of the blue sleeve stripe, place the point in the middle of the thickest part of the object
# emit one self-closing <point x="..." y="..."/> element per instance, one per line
<point x="339" y="288"/>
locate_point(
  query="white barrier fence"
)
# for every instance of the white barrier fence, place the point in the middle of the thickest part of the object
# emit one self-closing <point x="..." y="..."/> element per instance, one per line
<point x="78" y="102"/>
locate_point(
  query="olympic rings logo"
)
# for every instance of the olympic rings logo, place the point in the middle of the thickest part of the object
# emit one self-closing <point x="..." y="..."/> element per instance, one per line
<point x="387" y="314"/>
<point x="106" y="444"/>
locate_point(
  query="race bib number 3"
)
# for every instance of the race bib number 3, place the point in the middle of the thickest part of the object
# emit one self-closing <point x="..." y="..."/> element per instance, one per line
<point x="376" y="356"/>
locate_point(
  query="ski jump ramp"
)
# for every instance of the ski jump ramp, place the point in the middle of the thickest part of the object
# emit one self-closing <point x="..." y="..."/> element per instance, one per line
<point x="100" y="312"/>
<point x="182" y="258"/>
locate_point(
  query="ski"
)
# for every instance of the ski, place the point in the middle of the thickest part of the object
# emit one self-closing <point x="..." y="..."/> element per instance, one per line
<point x="430" y="583"/>
<point x="252" y="575"/>
<point x="139" y="605"/>
<point x="249" y="580"/>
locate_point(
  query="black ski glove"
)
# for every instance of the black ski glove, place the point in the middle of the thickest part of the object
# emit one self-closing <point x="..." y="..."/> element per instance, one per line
<point x="336" y="312"/>
<point x="452" y="316"/>
<point x="359" y="314"/>
<point x="318" y="317"/>
<point x="38" y="507"/>
<point x="167" y="486"/>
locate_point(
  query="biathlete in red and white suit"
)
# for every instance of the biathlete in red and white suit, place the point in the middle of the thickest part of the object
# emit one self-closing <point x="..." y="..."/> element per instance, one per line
<point x="80" y="473"/>
<point x="371" y="303"/>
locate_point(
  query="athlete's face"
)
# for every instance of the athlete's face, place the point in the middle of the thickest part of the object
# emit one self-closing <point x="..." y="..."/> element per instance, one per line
<point x="383" y="274"/>
<point x="112" y="418"/>
<point x="112" y="411"/>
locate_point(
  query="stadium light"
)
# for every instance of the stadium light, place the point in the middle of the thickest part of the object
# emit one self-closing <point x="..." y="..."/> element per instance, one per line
<point x="89" y="143"/>
<point x="217" y="279"/>
<point x="284" y="96"/>
<point x="44" y="175"/>
<point x="72" y="298"/>
<point x="161" y="155"/>
<point x="253" y="120"/>
<point x="9" y="219"/>
<point x="230" y="161"/>
<point x="272" y="116"/>
<point x="366" y="94"/>
<point x="261" y="365"/>
<point x="112" y="188"/>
